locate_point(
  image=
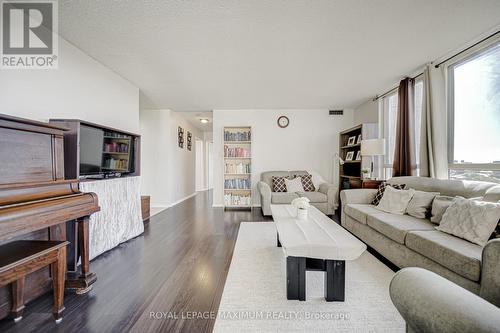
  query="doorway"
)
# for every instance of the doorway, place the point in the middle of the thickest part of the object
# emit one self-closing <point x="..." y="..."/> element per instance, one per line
<point x="199" y="165"/>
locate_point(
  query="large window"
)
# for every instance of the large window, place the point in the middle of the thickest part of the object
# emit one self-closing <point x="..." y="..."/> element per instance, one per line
<point x="389" y="115"/>
<point x="474" y="118"/>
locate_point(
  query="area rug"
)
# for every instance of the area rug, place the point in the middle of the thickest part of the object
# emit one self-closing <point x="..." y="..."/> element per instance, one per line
<point x="254" y="296"/>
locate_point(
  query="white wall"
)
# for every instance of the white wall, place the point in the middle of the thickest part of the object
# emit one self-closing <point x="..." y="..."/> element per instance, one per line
<point x="81" y="88"/>
<point x="168" y="172"/>
<point x="308" y="143"/>
<point x="366" y="113"/>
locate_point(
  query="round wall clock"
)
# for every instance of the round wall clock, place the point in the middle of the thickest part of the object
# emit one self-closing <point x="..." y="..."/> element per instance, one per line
<point x="283" y="121"/>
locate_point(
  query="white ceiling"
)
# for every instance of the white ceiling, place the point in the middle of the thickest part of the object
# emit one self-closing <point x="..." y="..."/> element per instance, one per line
<point x="235" y="54"/>
<point x="194" y="119"/>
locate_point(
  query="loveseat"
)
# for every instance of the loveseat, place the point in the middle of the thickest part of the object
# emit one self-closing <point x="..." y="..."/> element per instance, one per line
<point x="407" y="241"/>
<point x="324" y="198"/>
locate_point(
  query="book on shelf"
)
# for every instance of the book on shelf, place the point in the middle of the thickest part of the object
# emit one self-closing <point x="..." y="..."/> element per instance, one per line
<point x="237" y="136"/>
<point x="115" y="147"/>
<point x="236" y="152"/>
<point x="237" y="168"/>
<point x="237" y="200"/>
<point x="237" y="184"/>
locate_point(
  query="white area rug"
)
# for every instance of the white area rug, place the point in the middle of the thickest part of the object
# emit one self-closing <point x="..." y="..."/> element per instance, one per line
<point x="254" y="297"/>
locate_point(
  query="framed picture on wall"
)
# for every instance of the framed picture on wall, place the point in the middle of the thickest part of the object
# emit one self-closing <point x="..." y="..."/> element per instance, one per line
<point x="180" y="137"/>
<point x="351" y="141"/>
<point x="189" y="140"/>
<point x="349" y="156"/>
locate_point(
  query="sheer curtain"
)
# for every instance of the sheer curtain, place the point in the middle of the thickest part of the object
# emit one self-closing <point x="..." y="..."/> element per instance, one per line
<point x="434" y="138"/>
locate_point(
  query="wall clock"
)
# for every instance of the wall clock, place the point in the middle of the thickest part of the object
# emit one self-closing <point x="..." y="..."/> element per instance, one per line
<point x="283" y="121"/>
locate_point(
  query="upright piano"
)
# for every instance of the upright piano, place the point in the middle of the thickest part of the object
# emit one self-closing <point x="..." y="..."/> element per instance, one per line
<point x="36" y="202"/>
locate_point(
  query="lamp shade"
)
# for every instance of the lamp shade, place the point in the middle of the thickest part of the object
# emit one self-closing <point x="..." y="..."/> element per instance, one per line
<point x="373" y="147"/>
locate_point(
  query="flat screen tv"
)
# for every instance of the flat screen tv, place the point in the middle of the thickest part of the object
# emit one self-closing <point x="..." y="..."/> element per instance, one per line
<point x="104" y="152"/>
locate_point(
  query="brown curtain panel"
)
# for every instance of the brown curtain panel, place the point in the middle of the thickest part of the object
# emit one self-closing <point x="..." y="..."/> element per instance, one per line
<point x="404" y="151"/>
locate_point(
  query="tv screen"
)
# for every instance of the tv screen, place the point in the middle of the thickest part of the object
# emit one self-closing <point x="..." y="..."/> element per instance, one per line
<point x="104" y="152"/>
<point x="91" y="140"/>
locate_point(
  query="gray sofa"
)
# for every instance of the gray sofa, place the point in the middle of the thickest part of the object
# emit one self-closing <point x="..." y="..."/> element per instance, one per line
<point x="431" y="304"/>
<point x="411" y="242"/>
<point x="325" y="199"/>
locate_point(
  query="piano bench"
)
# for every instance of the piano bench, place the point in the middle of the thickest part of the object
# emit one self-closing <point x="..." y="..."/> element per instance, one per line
<point x="20" y="258"/>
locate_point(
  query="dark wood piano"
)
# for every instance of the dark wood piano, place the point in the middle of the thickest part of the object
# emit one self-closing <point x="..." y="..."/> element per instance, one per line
<point x="36" y="202"/>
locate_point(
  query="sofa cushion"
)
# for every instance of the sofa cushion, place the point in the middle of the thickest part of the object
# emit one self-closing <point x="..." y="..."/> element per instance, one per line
<point x="283" y="197"/>
<point x="472" y="220"/>
<point x="279" y="184"/>
<point x="359" y="212"/>
<point x="395" y="226"/>
<point x="381" y="190"/>
<point x="267" y="177"/>
<point x="458" y="255"/>
<point x="307" y="182"/>
<point x="314" y="196"/>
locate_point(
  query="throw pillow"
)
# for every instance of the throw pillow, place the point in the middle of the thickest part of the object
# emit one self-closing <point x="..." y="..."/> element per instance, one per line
<point x="279" y="184"/>
<point x="421" y="204"/>
<point x="496" y="232"/>
<point x="294" y="185"/>
<point x="317" y="180"/>
<point x="381" y="190"/>
<point x="307" y="182"/>
<point x="395" y="201"/>
<point x="471" y="220"/>
<point x="439" y="206"/>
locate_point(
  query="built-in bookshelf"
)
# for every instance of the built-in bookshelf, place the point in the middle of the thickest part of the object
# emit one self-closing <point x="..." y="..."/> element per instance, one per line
<point x="350" y="152"/>
<point x="237" y="167"/>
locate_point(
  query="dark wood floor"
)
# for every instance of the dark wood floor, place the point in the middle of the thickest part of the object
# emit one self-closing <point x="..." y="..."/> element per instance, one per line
<point x="180" y="264"/>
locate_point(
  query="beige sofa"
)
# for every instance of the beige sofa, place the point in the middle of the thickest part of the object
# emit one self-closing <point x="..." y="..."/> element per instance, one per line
<point x="408" y="241"/>
<point x="325" y="198"/>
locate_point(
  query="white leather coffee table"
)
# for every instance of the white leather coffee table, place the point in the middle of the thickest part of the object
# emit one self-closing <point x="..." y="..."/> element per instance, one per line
<point x="318" y="244"/>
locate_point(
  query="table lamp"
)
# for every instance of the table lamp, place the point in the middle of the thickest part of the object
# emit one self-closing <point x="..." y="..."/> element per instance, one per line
<point x="372" y="147"/>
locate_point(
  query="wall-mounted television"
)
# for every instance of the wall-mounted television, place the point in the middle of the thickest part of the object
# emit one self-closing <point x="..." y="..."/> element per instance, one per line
<point x="104" y="152"/>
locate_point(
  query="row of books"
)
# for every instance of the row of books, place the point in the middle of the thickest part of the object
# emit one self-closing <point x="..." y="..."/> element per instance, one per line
<point x="236" y="152"/>
<point x="112" y="163"/>
<point x="116" y="135"/>
<point x="115" y="147"/>
<point x="237" y="168"/>
<point x="237" y="184"/>
<point x="237" y="200"/>
<point x="237" y="136"/>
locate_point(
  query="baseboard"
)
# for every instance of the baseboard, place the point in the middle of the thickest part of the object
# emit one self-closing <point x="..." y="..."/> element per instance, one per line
<point x="183" y="199"/>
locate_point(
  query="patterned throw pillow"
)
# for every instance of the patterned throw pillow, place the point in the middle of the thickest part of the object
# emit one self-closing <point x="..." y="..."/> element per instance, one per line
<point x="307" y="182"/>
<point x="496" y="233"/>
<point x="381" y="190"/>
<point x="279" y="184"/>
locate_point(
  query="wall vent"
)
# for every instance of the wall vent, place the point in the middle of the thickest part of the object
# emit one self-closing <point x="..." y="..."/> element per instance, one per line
<point x="336" y="112"/>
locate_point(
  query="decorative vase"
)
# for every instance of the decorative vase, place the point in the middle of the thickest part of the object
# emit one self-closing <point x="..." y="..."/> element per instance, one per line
<point x="302" y="214"/>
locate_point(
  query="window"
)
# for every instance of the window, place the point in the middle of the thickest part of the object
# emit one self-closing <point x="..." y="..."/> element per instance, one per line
<point x="389" y="115"/>
<point x="474" y="122"/>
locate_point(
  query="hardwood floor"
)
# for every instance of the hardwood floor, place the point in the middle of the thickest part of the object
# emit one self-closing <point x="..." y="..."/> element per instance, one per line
<point x="178" y="265"/>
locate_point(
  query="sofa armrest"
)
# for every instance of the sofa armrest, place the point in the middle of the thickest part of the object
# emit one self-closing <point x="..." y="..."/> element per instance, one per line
<point x="265" y="197"/>
<point x="490" y="272"/>
<point x="331" y="192"/>
<point x="431" y="303"/>
<point x="357" y="196"/>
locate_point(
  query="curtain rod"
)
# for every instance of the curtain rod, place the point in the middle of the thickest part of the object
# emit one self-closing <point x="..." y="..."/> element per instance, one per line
<point x="467" y="49"/>
<point x="395" y="88"/>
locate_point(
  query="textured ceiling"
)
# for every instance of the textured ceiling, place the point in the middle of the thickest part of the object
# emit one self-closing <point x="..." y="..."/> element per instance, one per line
<point x="212" y="54"/>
